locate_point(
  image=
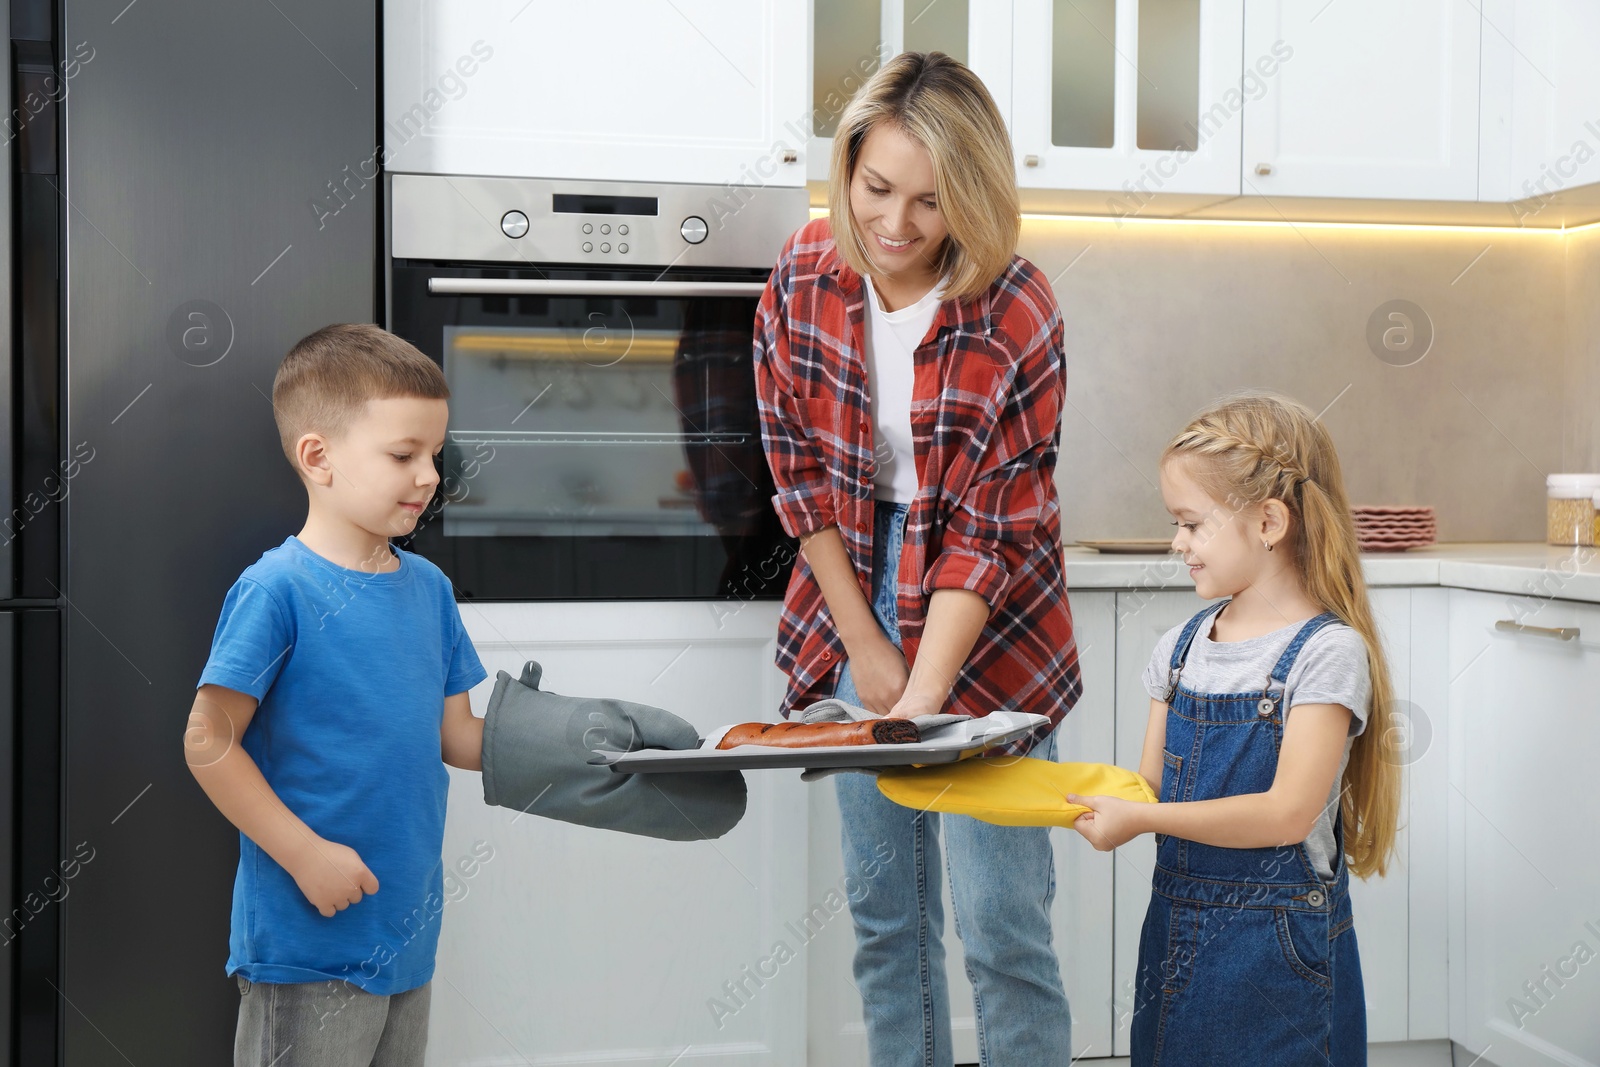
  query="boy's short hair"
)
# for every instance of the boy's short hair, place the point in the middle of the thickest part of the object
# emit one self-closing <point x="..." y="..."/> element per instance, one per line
<point x="328" y="376"/>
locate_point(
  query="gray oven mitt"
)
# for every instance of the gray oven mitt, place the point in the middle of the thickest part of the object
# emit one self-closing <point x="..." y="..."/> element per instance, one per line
<point x="536" y="751"/>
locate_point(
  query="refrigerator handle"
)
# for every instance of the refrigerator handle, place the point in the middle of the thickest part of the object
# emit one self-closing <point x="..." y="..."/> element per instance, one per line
<point x="8" y="327"/>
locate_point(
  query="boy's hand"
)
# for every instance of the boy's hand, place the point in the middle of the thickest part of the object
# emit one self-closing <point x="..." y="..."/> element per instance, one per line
<point x="332" y="876"/>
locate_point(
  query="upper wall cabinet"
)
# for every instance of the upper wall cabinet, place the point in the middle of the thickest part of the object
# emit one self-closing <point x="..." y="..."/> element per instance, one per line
<point x="852" y="38"/>
<point x="1134" y="96"/>
<point x="700" y="91"/>
<point x="1372" y="99"/>
<point x="1540" y="133"/>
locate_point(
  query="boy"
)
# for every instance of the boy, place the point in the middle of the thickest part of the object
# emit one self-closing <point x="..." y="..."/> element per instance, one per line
<point x="335" y="693"/>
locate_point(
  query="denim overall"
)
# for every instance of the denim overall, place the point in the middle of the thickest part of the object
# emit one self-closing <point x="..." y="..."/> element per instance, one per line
<point x="1247" y="956"/>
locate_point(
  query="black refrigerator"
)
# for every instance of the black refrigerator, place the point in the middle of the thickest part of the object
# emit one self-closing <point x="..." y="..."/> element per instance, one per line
<point x="185" y="202"/>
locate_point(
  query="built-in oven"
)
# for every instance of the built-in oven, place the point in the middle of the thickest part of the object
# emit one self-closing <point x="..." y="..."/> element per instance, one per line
<point x="604" y="440"/>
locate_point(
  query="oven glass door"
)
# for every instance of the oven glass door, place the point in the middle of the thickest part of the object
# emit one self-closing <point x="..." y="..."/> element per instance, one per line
<point x="604" y="441"/>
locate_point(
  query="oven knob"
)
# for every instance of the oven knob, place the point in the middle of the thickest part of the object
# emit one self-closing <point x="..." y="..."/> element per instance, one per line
<point x="693" y="229"/>
<point x="513" y="224"/>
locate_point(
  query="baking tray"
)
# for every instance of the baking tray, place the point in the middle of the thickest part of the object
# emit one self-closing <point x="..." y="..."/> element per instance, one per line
<point x="947" y="744"/>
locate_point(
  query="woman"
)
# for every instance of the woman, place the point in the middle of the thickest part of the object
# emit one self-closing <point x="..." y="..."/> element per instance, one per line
<point x="910" y="379"/>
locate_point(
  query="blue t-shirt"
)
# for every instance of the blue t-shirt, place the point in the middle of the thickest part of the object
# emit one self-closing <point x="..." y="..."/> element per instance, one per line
<point x="351" y="670"/>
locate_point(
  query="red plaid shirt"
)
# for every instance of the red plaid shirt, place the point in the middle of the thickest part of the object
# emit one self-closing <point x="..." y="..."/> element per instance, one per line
<point x="989" y="382"/>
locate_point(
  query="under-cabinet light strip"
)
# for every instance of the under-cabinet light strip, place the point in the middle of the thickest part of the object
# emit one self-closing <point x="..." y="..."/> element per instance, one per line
<point x="1423" y="227"/>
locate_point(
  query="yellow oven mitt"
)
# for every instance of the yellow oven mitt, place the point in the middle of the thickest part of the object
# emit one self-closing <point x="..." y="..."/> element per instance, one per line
<point x="1010" y="791"/>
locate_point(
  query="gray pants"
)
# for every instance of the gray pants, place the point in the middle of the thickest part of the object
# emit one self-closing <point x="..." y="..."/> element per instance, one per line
<point x="329" y="1024"/>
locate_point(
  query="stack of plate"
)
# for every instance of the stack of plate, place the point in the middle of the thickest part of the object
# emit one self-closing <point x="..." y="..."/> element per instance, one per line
<point x="1390" y="529"/>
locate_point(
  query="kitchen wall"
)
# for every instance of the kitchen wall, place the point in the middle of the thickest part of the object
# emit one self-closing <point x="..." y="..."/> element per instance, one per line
<point x="1163" y="317"/>
<point x="1582" y="377"/>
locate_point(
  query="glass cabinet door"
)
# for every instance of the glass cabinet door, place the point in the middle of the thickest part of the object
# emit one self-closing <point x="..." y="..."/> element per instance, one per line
<point x="1134" y="96"/>
<point x="851" y="38"/>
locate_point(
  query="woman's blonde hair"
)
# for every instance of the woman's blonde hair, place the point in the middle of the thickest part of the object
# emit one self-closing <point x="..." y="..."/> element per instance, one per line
<point x="943" y="106"/>
<point x="1254" y="447"/>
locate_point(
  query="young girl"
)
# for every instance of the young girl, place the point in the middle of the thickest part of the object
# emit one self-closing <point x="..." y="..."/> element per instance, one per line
<point x="910" y="379"/>
<point x="1261" y="706"/>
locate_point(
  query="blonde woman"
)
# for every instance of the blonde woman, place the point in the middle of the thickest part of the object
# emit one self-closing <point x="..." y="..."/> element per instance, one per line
<point x="910" y="378"/>
<point x="1271" y="747"/>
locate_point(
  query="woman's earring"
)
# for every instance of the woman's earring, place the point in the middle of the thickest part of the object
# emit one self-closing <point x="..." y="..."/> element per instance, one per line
<point x="1266" y="544"/>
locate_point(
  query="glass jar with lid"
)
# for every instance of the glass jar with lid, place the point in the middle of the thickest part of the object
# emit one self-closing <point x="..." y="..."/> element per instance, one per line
<point x="1570" y="508"/>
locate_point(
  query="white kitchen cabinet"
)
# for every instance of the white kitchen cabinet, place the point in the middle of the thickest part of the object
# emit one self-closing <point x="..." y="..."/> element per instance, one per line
<point x="1381" y="906"/>
<point x="1372" y="99"/>
<point x="1525" y="875"/>
<point x="1083" y="897"/>
<point x="1129" y="97"/>
<point x="1424" y="734"/>
<point x="695" y="91"/>
<point x="1540" y="127"/>
<point x="575" y="945"/>
<point x="852" y="38"/>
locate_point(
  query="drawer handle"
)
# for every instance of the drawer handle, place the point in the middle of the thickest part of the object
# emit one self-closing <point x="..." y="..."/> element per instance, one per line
<point x="1560" y="633"/>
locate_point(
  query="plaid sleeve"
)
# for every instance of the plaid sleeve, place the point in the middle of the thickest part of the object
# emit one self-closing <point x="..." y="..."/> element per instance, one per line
<point x="803" y="497"/>
<point x="992" y="529"/>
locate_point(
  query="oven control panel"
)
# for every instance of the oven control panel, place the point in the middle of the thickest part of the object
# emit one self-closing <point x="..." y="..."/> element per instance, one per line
<point x="528" y="220"/>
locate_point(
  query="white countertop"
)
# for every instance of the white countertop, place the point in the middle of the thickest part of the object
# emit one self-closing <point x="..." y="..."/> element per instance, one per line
<point x="1517" y="568"/>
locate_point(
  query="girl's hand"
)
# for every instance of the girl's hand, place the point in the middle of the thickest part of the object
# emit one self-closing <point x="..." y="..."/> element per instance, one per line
<point x="880" y="673"/>
<point x="1109" y="822"/>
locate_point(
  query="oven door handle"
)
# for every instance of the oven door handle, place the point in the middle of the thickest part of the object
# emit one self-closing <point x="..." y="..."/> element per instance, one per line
<point x="580" y="287"/>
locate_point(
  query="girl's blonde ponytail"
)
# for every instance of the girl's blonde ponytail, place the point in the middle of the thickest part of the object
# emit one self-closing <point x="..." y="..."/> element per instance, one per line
<point x="1331" y="569"/>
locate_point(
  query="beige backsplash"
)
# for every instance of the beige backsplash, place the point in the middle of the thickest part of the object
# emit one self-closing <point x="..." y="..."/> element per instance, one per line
<point x="1160" y="319"/>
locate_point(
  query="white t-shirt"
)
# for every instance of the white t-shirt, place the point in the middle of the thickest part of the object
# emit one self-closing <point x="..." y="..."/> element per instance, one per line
<point x="891" y="339"/>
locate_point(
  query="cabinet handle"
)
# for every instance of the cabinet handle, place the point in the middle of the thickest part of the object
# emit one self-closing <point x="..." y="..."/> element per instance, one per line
<point x="1030" y="160"/>
<point x="1263" y="169"/>
<point x="789" y="155"/>
<point x="1560" y="633"/>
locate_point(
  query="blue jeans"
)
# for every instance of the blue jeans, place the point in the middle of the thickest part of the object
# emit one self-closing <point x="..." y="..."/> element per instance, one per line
<point x="1002" y="881"/>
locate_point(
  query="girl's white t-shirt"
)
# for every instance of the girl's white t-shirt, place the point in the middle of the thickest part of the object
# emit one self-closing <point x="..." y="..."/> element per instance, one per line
<point x="891" y="339"/>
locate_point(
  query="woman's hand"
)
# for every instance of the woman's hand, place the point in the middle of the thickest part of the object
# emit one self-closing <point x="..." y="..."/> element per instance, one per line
<point x="879" y="672"/>
<point x="914" y="706"/>
<point x="1110" y="821"/>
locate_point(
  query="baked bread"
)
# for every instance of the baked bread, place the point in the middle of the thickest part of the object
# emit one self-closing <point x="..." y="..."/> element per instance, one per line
<point x="822" y="734"/>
